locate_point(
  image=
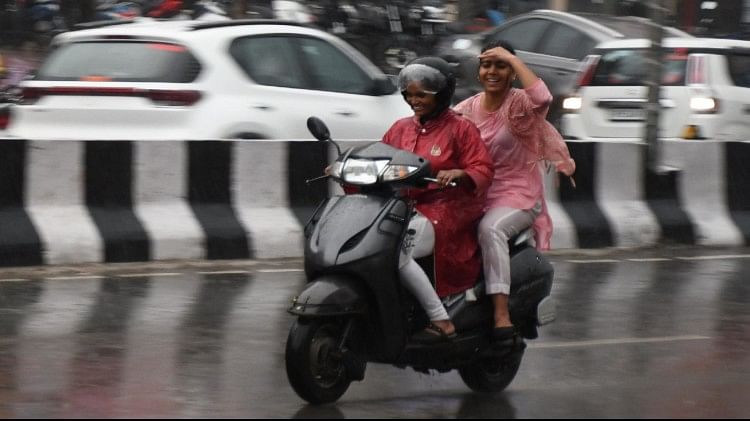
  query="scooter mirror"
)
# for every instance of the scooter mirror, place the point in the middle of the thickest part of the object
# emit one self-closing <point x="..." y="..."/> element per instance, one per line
<point x="318" y="128"/>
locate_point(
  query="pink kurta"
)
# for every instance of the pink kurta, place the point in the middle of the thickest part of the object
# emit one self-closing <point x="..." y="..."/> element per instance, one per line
<point x="449" y="142"/>
<point x="519" y="139"/>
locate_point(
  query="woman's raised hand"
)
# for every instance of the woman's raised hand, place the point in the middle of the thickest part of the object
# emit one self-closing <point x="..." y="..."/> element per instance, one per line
<point x="497" y="53"/>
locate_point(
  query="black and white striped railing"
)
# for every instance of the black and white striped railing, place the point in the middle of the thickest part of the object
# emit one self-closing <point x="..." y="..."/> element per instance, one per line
<point x="117" y="201"/>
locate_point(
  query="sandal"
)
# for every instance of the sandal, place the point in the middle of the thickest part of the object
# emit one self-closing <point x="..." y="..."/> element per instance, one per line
<point x="432" y="334"/>
<point x="502" y="334"/>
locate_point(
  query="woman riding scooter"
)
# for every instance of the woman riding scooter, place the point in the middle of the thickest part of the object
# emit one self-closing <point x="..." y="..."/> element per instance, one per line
<point x="456" y="153"/>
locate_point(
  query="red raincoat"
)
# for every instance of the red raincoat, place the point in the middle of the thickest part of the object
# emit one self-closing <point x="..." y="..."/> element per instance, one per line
<point x="449" y="142"/>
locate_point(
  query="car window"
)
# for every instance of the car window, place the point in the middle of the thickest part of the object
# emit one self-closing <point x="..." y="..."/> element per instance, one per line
<point x="739" y="69"/>
<point x="628" y="67"/>
<point x="523" y="35"/>
<point x="120" y="61"/>
<point x="269" y="60"/>
<point x="331" y="70"/>
<point x="563" y="41"/>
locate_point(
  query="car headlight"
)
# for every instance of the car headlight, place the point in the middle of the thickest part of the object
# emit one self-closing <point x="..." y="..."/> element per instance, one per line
<point x="397" y="172"/>
<point x="461" y="44"/>
<point x="705" y="105"/>
<point x="572" y="104"/>
<point x="362" y="171"/>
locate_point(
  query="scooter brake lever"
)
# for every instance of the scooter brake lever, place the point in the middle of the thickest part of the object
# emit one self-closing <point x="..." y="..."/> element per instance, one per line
<point x="312" y="180"/>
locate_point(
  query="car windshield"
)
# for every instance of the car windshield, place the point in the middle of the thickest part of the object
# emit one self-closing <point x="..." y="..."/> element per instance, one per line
<point x="628" y="67"/>
<point x="120" y="61"/>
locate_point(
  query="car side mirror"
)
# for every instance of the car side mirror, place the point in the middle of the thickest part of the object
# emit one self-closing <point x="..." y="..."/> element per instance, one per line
<point x="383" y="86"/>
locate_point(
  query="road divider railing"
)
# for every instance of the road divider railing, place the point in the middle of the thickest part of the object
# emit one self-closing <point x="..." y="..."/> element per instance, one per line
<point x="71" y="201"/>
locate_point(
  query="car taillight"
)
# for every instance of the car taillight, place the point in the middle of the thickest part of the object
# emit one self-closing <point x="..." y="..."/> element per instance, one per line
<point x="4" y="117"/>
<point x="697" y="69"/>
<point x="29" y="96"/>
<point x="702" y="98"/>
<point x="174" y="98"/>
<point x="588" y="69"/>
<point x="163" y="97"/>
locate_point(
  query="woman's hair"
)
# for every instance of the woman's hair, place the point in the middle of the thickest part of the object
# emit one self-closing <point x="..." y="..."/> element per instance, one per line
<point x="435" y="75"/>
<point x="499" y="43"/>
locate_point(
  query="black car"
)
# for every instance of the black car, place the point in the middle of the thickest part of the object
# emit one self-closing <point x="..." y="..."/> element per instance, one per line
<point x="552" y="43"/>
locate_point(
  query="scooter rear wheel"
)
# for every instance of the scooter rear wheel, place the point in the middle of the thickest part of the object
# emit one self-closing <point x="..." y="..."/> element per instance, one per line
<point x="490" y="375"/>
<point x="313" y="366"/>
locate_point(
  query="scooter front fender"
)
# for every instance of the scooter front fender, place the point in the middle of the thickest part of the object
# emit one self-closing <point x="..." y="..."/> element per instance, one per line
<point x="330" y="296"/>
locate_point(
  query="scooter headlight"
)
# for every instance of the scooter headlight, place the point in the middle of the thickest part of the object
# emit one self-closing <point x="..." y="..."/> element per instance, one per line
<point x="362" y="171"/>
<point x="398" y="172"/>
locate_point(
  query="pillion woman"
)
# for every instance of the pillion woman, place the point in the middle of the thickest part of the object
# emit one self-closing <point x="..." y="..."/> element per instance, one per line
<point x="520" y="140"/>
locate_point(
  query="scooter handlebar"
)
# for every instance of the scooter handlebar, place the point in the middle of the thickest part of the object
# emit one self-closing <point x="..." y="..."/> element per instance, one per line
<point x="435" y="180"/>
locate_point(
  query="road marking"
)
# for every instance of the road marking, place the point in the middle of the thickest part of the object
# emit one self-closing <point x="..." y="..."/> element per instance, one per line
<point x="650" y="259"/>
<point x="620" y="341"/>
<point x="279" y="270"/>
<point x="226" y="272"/>
<point x="146" y="275"/>
<point x="594" y="261"/>
<point x="717" y="257"/>
<point x="82" y="277"/>
<point x="14" y="280"/>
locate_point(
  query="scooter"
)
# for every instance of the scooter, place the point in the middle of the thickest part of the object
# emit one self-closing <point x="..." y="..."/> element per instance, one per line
<point x="354" y="309"/>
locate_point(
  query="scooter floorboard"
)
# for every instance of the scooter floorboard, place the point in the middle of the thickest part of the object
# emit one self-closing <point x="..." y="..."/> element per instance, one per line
<point x="446" y="354"/>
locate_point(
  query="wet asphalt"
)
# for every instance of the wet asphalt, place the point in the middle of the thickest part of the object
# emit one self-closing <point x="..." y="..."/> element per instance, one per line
<point x="657" y="334"/>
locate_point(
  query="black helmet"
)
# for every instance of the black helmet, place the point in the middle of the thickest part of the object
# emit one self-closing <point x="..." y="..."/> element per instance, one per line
<point x="436" y="77"/>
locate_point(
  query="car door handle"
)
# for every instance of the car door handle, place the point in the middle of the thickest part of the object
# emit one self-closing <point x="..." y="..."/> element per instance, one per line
<point x="345" y="113"/>
<point x="262" y="107"/>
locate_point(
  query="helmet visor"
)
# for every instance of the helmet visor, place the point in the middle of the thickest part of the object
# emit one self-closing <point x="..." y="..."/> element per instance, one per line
<point x="430" y="78"/>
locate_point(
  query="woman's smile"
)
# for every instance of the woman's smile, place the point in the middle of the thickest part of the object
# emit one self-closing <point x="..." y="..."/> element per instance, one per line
<point x="421" y="102"/>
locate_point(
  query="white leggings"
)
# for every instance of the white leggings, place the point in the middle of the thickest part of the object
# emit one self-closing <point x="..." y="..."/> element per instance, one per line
<point x="497" y="226"/>
<point x="420" y="244"/>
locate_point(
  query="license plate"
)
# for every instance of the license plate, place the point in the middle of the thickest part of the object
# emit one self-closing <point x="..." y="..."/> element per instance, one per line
<point x="629" y="114"/>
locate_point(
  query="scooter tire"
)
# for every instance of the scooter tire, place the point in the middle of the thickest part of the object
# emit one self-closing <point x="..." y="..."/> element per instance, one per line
<point x="490" y="375"/>
<point x="313" y="370"/>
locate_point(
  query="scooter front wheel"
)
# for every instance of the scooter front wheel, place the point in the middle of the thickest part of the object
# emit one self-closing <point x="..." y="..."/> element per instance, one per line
<point x="314" y="366"/>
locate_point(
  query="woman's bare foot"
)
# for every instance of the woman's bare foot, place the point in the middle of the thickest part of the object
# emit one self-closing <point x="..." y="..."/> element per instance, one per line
<point x="445" y="325"/>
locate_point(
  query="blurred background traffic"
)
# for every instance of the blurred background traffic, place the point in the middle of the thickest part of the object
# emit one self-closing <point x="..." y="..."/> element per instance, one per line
<point x="555" y="37"/>
<point x="371" y="26"/>
<point x="363" y="23"/>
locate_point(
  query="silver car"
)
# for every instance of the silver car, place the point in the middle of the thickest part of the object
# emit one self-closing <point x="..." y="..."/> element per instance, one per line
<point x="552" y="43"/>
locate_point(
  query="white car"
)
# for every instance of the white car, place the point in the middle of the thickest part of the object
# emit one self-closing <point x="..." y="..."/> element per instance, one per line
<point x="705" y="91"/>
<point x="186" y="80"/>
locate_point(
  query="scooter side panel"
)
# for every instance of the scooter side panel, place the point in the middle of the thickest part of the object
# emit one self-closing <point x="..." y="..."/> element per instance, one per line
<point x="528" y="264"/>
<point x="369" y="257"/>
<point x="338" y="226"/>
<point x="330" y="296"/>
<point x="531" y="282"/>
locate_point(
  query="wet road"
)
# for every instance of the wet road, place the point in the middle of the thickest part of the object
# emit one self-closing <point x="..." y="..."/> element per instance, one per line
<point x="658" y="334"/>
